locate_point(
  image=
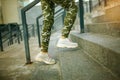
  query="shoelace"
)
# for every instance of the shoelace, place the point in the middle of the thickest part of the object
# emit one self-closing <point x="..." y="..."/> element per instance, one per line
<point x="49" y="57"/>
<point x="68" y="40"/>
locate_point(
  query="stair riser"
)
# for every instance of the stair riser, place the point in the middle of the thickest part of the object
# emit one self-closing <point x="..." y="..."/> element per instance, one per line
<point x="104" y="56"/>
<point x="111" y="15"/>
<point x="112" y="29"/>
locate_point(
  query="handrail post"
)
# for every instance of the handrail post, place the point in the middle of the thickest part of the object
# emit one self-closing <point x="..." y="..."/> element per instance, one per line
<point x="33" y="30"/>
<point x="38" y="30"/>
<point x="26" y="42"/>
<point x="63" y="16"/>
<point x="25" y="29"/>
<point x="10" y="35"/>
<point x="1" y="44"/>
<point x="18" y="33"/>
<point x="87" y="10"/>
<point x="90" y="5"/>
<point x="81" y="15"/>
<point x="105" y="2"/>
<point x="99" y="2"/>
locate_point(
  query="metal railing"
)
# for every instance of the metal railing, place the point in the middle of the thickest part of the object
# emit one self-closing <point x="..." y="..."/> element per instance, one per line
<point x="25" y="29"/>
<point x="81" y="13"/>
<point x="1" y="44"/>
<point x="99" y="2"/>
<point x="11" y="34"/>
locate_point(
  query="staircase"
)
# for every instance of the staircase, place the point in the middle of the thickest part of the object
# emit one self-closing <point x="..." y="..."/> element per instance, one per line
<point x="96" y="58"/>
<point x="101" y="40"/>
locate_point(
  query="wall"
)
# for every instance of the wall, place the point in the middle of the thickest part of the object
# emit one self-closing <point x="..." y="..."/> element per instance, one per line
<point x="111" y="12"/>
<point x="0" y="13"/>
<point x="10" y="11"/>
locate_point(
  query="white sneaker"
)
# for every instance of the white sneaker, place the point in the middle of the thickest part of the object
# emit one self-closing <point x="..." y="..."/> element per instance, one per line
<point x="66" y="43"/>
<point x="44" y="58"/>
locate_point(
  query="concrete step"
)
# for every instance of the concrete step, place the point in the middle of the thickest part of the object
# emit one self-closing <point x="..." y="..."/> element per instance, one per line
<point x="102" y="48"/>
<point x="111" y="14"/>
<point x="12" y="63"/>
<point x="72" y="64"/>
<point x="112" y="29"/>
<point x="76" y="65"/>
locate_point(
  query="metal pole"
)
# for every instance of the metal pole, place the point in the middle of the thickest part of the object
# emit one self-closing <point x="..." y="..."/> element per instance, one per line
<point x="1" y="44"/>
<point x="10" y="35"/>
<point x="90" y="5"/>
<point x="86" y="6"/>
<point x="26" y="42"/>
<point x="81" y="15"/>
<point x="105" y="2"/>
<point x="18" y="33"/>
<point x="25" y="29"/>
<point x="21" y="37"/>
<point x="38" y="30"/>
<point x="33" y="30"/>
<point x="63" y="16"/>
<point x="99" y="2"/>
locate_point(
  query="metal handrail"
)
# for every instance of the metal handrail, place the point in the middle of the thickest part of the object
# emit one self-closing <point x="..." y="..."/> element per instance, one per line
<point x="99" y="3"/>
<point x="1" y="44"/>
<point x="25" y="29"/>
<point x="12" y="35"/>
<point x="10" y="38"/>
<point x="4" y="27"/>
<point x="81" y="13"/>
<point x="8" y="32"/>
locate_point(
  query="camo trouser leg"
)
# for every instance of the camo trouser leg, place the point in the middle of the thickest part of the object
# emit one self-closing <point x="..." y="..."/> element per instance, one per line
<point x="70" y="18"/>
<point x="71" y="9"/>
<point x="48" y="13"/>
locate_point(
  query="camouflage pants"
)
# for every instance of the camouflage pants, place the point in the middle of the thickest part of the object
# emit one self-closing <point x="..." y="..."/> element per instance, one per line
<point x="48" y="13"/>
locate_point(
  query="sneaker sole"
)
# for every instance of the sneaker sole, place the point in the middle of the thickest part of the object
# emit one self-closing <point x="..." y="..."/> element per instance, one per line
<point x="41" y="60"/>
<point x="64" y="46"/>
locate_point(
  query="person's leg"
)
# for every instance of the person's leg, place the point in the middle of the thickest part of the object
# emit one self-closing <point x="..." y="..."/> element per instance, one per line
<point x="71" y="11"/>
<point x="70" y="18"/>
<point x="48" y="13"/>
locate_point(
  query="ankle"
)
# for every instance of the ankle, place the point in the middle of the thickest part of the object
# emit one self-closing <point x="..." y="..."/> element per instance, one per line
<point x="63" y="37"/>
<point x="43" y="52"/>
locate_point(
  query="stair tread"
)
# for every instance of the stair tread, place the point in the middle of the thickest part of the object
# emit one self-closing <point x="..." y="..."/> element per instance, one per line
<point x="103" y="40"/>
<point x="76" y="65"/>
<point x="12" y="62"/>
